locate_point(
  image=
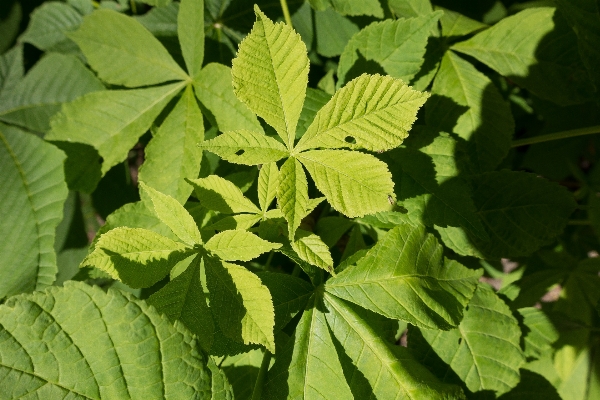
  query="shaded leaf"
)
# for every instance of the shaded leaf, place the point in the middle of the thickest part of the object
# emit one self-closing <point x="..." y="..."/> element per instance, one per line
<point x="268" y="181"/>
<point x="292" y="193"/>
<point x="49" y="24"/>
<point x="542" y="332"/>
<point x="219" y="194"/>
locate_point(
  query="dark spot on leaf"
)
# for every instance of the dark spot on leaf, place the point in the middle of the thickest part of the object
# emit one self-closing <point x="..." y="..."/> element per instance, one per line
<point x="459" y="341"/>
<point x="350" y="139"/>
<point x="240" y="152"/>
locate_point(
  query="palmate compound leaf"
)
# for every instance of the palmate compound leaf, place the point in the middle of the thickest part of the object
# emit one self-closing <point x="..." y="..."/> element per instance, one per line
<point x="270" y="74"/>
<point x="405" y="277"/>
<point x="112" y="120"/>
<point x="172" y="154"/>
<point x="123" y="52"/>
<point x="55" y="79"/>
<point x="183" y="299"/>
<point x="467" y="103"/>
<point x="246" y="147"/>
<point x="79" y="342"/>
<point x="238" y="245"/>
<point x="219" y="194"/>
<point x="135" y="256"/>
<point x="33" y="192"/>
<point x="241" y="304"/>
<point x="371" y="112"/>
<point x="484" y="349"/>
<point x="174" y="215"/>
<point x="397" y="45"/>
<point x="532" y="48"/>
<point x="390" y="372"/>
<point x="354" y="183"/>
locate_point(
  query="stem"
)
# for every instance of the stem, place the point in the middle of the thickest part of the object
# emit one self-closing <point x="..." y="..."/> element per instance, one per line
<point x="286" y="12"/>
<point x="557" y="135"/>
<point x="260" y="379"/>
<point x="133" y="7"/>
<point x="269" y="259"/>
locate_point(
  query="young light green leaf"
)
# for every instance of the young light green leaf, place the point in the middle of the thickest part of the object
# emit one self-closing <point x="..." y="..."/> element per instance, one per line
<point x="123" y="52"/>
<point x="311" y="249"/>
<point x="245" y="147"/>
<point x="137" y="257"/>
<point x="33" y="192"/>
<point x="466" y="102"/>
<point x="392" y="374"/>
<point x="292" y="193"/>
<point x="521" y="212"/>
<point x="183" y="300"/>
<point x="48" y="25"/>
<point x="455" y="24"/>
<point x="219" y="194"/>
<point x="354" y="183"/>
<point x="548" y="54"/>
<point x="172" y="214"/>
<point x="290" y="295"/>
<point x="484" y="350"/>
<point x="238" y="245"/>
<point x="372" y="112"/>
<point x="214" y="89"/>
<point x="238" y="221"/>
<point x="111" y="121"/>
<point x="55" y="79"/>
<point x="132" y="343"/>
<point x="268" y="181"/>
<point x="172" y="154"/>
<point x="404" y="277"/>
<point x="249" y="316"/>
<point x="270" y="75"/>
<point x="397" y="45"/>
<point x="541" y="332"/>
<point x="190" y="30"/>
<point x="308" y="366"/>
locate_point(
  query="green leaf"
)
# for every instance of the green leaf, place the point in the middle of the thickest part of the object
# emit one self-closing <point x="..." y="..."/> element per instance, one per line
<point x="290" y="295"/>
<point x="521" y="212"/>
<point x="245" y="147"/>
<point x="311" y="249"/>
<point x="11" y="69"/>
<point x="467" y="103"/>
<point x="484" y="350"/>
<point x="219" y="194"/>
<point x="238" y="221"/>
<point x="532" y="48"/>
<point x="333" y="31"/>
<point x="331" y="229"/>
<point x="270" y="74"/>
<point x="157" y="3"/>
<point x="430" y="187"/>
<point x="214" y="89"/>
<point x="404" y="277"/>
<point x="532" y="385"/>
<point x="584" y="18"/>
<point x="238" y="245"/>
<point x="54" y="80"/>
<point x="221" y="388"/>
<point x="242" y="371"/>
<point x="135" y="256"/>
<point x="372" y="112"/>
<point x="241" y="304"/>
<point x="183" y="299"/>
<point x="390" y="373"/>
<point x="10" y="26"/>
<point x="314" y="101"/>
<point x="123" y="52"/>
<point x="292" y="194"/>
<point x="397" y="45"/>
<point x="350" y="7"/>
<point x="354" y="183"/>
<point x="455" y="24"/>
<point x="172" y="154"/>
<point x="172" y="214"/>
<point x="111" y="121"/>
<point x="268" y="181"/>
<point x="410" y="8"/>
<point x="33" y="192"/>
<point x="541" y="332"/>
<point x="160" y="21"/>
<point x="190" y="30"/>
<point x="49" y="24"/>
<point x="308" y="366"/>
<point x="48" y="352"/>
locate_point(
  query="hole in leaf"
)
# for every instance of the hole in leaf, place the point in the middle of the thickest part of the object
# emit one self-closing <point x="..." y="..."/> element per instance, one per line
<point x="350" y="139"/>
<point x="240" y="152"/>
<point x="459" y="341"/>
